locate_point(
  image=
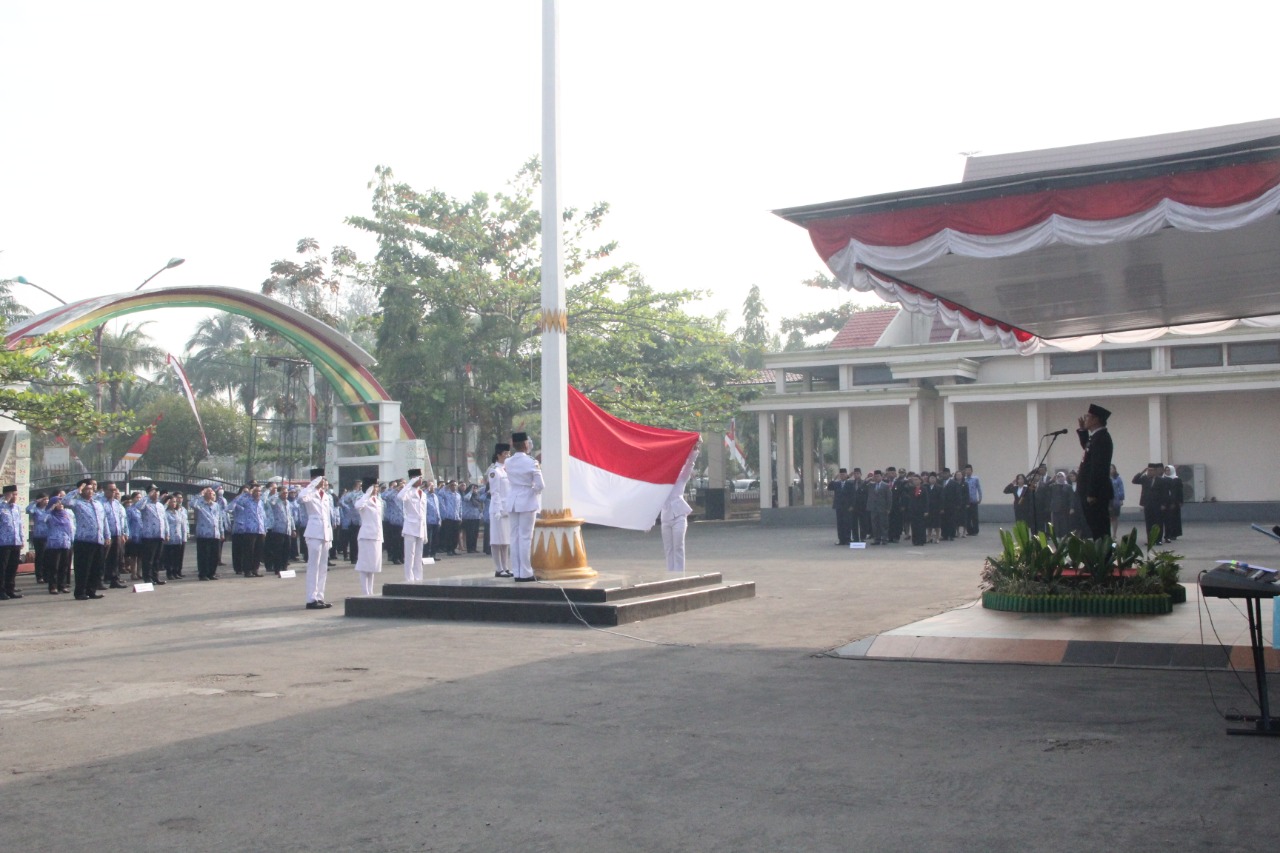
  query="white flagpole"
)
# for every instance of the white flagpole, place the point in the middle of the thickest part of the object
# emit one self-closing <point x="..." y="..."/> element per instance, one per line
<point x="559" y="552"/>
<point x="554" y="320"/>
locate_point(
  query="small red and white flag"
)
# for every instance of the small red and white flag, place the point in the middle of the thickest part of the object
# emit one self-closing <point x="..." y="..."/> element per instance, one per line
<point x="731" y="442"/>
<point x="621" y="473"/>
<point x="134" y="453"/>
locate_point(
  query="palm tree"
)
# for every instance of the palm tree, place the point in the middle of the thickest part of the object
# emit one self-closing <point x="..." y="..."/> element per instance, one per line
<point x="214" y="360"/>
<point x="123" y="357"/>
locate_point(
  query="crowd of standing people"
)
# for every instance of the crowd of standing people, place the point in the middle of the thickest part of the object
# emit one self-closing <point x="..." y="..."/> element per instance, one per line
<point x="885" y="508"/>
<point x="89" y="540"/>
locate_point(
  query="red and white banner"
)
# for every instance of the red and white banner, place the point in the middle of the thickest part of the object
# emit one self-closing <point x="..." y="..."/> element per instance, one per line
<point x="735" y="449"/>
<point x="621" y="473"/>
<point x="191" y="398"/>
<point x="134" y="453"/>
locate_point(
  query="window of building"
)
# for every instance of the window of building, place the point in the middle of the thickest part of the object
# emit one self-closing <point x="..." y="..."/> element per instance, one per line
<point x="1068" y="363"/>
<point x="1260" y="352"/>
<point x="1117" y="360"/>
<point x="1203" y="355"/>
<point x="872" y="374"/>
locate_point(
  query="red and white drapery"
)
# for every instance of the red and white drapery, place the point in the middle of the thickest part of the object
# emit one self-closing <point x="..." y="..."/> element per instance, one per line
<point x="864" y="251"/>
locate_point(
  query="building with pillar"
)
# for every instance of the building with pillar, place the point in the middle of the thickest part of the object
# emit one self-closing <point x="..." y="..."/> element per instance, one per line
<point x="916" y="396"/>
<point x="1136" y="273"/>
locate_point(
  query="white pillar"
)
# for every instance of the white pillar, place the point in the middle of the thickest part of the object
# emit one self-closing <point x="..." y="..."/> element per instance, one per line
<point x="786" y="457"/>
<point x="950" y="446"/>
<point x="1157" y="428"/>
<point x="844" y="438"/>
<point x="808" y="469"/>
<point x="1035" y="417"/>
<point x="913" y="434"/>
<point x="766" y="460"/>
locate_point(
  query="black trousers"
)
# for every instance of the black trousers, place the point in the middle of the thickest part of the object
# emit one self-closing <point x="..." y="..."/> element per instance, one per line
<point x="171" y="556"/>
<point x="471" y="533"/>
<point x="276" y="553"/>
<point x="207" y="557"/>
<point x="149" y="560"/>
<point x="57" y="567"/>
<point x="448" y="536"/>
<point x="246" y="549"/>
<point x="353" y="542"/>
<point x="844" y="527"/>
<point x="972" y="520"/>
<point x="38" y="545"/>
<point x="113" y="559"/>
<point x="88" y="567"/>
<point x="9" y="556"/>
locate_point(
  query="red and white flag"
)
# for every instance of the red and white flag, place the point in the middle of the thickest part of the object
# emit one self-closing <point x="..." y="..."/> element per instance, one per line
<point x="731" y="442"/>
<point x="191" y="398"/>
<point x="134" y="453"/>
<point x="621" y="473"/>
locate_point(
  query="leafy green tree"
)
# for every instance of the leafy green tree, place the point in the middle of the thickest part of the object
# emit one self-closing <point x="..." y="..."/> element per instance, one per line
<point x="175" y="442"/>
<point x="458" y="341"/>
<point x="754" y="338"/>
<point x="40" y="389"/>
<point x="829" y="321"/>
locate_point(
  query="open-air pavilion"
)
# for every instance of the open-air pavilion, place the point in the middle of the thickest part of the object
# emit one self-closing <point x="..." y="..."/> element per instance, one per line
<point x="1115" y="271"/>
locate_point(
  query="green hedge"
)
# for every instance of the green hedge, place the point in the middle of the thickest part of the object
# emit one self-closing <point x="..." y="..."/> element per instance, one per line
<point x="1080" y="605"/>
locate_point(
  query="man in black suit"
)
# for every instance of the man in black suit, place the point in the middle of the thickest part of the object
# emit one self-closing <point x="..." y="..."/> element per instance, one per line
<point x="840" y="501"/>
<point x="1093" y="479"/>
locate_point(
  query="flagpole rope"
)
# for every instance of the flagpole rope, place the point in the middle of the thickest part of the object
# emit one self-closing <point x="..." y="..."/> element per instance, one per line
<point x="573" y="608"/>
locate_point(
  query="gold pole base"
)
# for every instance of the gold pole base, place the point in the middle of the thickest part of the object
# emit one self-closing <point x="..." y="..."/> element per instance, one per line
<point x="559" y="553"/>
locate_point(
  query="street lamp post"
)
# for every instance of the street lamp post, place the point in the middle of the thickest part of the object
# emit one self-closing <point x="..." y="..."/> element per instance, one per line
<point x="97" y="342"/>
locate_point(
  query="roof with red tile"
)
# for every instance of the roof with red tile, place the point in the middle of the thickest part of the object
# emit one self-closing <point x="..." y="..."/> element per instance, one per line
<point x="863" y="329"/>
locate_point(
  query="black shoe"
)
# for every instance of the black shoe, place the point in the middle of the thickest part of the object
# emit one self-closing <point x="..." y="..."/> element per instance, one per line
<point x="64" y="590"/>
<point x="53" y="591"/>
<point x="315" y="605"/>
<point x="82" y="598"/>
<point x="214" y="578"/>
<point x="502" y="574"/>
<point x="95" y="595"/>
<point x="325" y="604"/>
<point x="159" y="582"/>
<point x="118" y="585"/>
<point x="529" y="579"/>
<point x="202" y="578"/>
<point x="13" y="593"/>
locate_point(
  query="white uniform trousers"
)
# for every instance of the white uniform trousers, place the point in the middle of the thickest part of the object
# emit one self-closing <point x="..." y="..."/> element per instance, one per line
<point x="317" y="568"/>
<point x="521" y="542"/>
<point x="673" y="541"/>
<point x="412" y="559"/>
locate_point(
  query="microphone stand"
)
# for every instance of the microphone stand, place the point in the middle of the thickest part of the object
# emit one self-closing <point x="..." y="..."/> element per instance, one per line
<point x="1035" y="510"/>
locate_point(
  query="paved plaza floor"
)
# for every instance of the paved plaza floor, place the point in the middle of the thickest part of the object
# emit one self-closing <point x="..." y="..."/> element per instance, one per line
<point x="224" y="716"/>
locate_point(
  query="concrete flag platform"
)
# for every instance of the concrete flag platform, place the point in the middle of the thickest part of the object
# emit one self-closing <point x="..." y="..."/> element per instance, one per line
<point x="607" y="599"/>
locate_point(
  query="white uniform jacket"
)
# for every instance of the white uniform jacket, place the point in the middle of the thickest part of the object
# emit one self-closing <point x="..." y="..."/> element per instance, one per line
<point x="524" y="481"/>
<point x="319" y="511"/>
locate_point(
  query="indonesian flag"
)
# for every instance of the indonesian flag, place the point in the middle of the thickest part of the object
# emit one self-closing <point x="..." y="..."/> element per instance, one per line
<point x="731" y="442"/>
<point x="621" y="473"/>
<point x="133" y="454"/>
<point x="191" y="398"/>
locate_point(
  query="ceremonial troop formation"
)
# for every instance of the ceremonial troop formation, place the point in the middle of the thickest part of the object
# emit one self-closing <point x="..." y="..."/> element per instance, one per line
<point x="884" y="508"/>
<point x="103" y="539"/>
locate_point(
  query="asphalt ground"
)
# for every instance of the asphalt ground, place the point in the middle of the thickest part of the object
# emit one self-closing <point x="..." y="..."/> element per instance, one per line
<point x="224" y="716"/>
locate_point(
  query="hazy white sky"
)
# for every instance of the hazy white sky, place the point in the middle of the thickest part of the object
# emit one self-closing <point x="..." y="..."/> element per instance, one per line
<point x="136" y="131"/>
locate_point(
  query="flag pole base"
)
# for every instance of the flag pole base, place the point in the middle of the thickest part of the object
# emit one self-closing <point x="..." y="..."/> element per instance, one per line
<point x="559" y="553"/>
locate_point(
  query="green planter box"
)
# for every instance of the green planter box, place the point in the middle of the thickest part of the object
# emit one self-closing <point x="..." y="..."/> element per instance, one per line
<point x="1081" y="605"/>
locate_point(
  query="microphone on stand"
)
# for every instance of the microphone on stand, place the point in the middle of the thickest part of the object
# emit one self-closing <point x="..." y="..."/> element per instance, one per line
<point x="1059" y="432"/>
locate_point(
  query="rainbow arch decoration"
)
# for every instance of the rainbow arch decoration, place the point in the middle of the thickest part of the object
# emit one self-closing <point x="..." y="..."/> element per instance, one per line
<point x="339" y="359"/>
